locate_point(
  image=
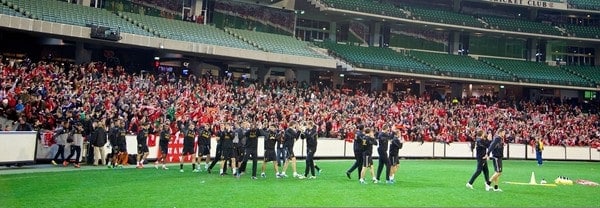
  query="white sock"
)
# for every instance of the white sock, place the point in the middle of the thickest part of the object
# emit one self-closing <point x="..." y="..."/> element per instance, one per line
<point x="142" y="162"/>
<point x="282" y="173"/>
<point x="221" y="171"/>
<point x="295" y="173"/>
<point x="374" y="178"/>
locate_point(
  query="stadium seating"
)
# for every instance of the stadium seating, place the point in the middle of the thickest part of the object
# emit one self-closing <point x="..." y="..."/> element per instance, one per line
<point x="384" y="8"/>
<point x="368" y="6"/>
<point x="5" y="9"/>
<point x="461" y="66"/>
<point x="222" y="20"/>
<point x="586" y="4"/>
<point x="584" y="32"/>
<point x="377" y="58"/>
<point x="442" y="16"/>
<point x="591" y="73"/>
<point x="282" y="44"/>
<point x="186" y="31"/>
<point x="535" y="72"/>
<point x="521" y="26"/>
<point x="63" y="12"/>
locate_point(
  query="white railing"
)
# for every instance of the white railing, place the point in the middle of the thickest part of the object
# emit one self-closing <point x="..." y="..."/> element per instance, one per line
<point x="23" y="146"/>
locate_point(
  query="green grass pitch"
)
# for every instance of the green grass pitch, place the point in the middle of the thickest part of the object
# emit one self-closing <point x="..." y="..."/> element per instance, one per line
<point x="418" y="183"/>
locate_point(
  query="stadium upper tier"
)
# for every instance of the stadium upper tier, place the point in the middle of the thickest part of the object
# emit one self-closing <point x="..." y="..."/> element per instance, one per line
<point x="275" y="43"/>
<point x="591" y="73"/>
<point x="455" y="18"/>
<point x="586" y="4"/>
<point x="377" y="58"/>
<point x="187" y="31"/>
<point x="368" y="6"/>
<point x="72" y="14"/>
<point x="447" y="17"/>
<point x="461" y="66"/>
<point x="535" y="72"/>
<point x="586" y="32"/>
<point x="7" y="10"/>
<point x="521" y="26"/>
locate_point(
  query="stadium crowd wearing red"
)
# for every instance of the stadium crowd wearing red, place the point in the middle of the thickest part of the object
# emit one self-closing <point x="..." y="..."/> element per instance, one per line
<point x="44" y="93"/>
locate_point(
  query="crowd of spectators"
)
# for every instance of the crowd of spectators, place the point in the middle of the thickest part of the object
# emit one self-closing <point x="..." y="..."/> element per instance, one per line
<point x="43" y="94"/>
<point x="284" y="19"/>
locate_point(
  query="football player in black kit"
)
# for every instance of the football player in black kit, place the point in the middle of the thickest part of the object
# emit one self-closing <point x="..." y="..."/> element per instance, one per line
<point x="395" y="146"/>
<point x="218" y="155"/>
<point x="142" y="148"/>
<point x="481" y="145"/>
<point x="226" y="137"/>
<point x="357" y="152"/>
<point x="121" y="144"/>
<point x="189" y="135"/>
<point x="310" y="134"/>
<point x="497" y="151"/>
<point x="269" y="156"/>
<point x="367" y="148"/>
<point x="291" y="134"/>
<point x="204" y="135"/>
<point x="163" y="144"/>
<point x="383" y="138"/>
<point x="239" y="139"/>
<point x="250" y="149"/>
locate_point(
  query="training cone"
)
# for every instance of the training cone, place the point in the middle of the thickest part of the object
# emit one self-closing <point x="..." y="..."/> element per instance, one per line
<point x="532" y="180"/>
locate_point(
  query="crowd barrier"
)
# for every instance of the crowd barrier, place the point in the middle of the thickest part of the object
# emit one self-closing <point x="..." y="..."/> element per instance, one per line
<point x="17" y="147"/>
<point x="22" y="147"/>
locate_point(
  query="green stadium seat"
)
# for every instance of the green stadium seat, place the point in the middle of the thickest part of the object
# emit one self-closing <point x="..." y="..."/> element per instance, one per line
<point x="534" y="72"/>
<point x="586" y="4"/>
<point x="589" y="72"/>
<point x="584" y="32"/>
<point x="377" y="58"/>
<point x="519" y="25"/>
<point x="282" y="44"/>
<point x="73" y="14"/>
<point x="187" y="31"/>
<point x="461" y="66"/>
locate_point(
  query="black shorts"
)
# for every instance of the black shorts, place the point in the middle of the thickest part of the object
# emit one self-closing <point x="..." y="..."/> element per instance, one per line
<point x="188" y="150"/>
<point x="289" y="151"/>
<point x="203" y="150"/>
<point x="367" y="159"/>
<point x="115" y="149"/>
<point x="227" y="154"/>
<point x="239" y="154"/>
<point x="164" y="149"/>
<point x="143" y="149"/>
<point x="394" y="160"/>
<point x="270" y="155"/>
<point x="497" y="164"/>
<point x="123" y="149"/>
